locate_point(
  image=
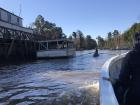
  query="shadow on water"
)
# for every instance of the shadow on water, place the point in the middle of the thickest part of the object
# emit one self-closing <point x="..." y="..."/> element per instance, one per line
<point x="53" y="81"/>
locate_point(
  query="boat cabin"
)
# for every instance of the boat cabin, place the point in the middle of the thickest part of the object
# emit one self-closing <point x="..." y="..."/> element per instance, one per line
<point x="55" y="44"/>
<point x="56" y="48"/>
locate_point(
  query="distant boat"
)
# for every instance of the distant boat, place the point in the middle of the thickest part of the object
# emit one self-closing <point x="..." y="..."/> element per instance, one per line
<point x="96" y="54"/>
<point x="56" y="49"/>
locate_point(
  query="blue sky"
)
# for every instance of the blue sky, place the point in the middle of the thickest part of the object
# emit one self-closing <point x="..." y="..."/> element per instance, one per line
<point x="92" y="17"/>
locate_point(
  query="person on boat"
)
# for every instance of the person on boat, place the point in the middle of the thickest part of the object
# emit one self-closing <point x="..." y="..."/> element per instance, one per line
<point x="129" y="77"/>
<point x="96" y="53"/>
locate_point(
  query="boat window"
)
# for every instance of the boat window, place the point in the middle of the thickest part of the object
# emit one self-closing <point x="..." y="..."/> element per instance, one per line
<point x="62" y="44"/>
<point x="52" y="45"/>
<point x="45" y="44"/>
<point x="9" y="18"/>
<point x="17" y="21"/>
<point x="42" y="46"/>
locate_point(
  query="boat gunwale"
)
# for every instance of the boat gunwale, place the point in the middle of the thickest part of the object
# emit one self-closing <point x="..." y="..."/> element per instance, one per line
<point x="106" y="87"/>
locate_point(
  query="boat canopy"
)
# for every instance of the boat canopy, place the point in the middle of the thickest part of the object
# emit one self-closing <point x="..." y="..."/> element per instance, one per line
<point x="56" y="44"/>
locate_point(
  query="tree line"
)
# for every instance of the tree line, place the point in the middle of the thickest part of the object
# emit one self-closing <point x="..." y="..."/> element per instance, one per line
<point x="52" y="32"/>
<point x="113" y="40"/>
<point x="118" y="40"/>
<point x="82" y="41"/>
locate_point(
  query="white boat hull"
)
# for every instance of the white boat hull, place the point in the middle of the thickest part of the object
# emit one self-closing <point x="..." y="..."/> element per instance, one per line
<point x="110" y="69"/>
<point x="56" y="53"/>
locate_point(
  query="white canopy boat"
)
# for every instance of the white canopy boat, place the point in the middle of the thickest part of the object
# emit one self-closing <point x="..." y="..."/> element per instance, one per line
<point x="56" y="48"/>
<point x="110" y="69"/>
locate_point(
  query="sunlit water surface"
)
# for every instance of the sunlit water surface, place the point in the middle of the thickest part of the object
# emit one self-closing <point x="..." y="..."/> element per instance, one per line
<point x="72" y="81"/>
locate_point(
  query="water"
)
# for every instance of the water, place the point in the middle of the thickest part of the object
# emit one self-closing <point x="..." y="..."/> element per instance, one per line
<point x="71" y="81"/>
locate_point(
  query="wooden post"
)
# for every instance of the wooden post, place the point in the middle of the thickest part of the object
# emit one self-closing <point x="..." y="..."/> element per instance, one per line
<point x="47" y="46"/>
<point x="10" y="48"/>
<point x="57" y="45"/>
<point x="26" y="49"/>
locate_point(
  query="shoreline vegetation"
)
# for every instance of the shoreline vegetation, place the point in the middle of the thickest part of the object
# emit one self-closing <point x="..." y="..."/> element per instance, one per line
<point x="115" y="40"/>
<point x="119" y="41"/>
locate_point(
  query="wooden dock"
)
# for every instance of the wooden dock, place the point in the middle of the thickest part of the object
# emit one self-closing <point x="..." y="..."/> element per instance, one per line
<point x="18" y="45"/>
<point x="16" y="42"/>
<point x="17" y="49"/>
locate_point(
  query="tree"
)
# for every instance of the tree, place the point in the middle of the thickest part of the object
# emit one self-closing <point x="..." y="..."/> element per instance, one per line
<point x="115" y="33"/>
<point x="109" y="40"/>
<point x="101" y="42"/>
<point x="74" y="35"/>
<point x="39" y="23"/>
<point x="109" y="36"/>
<point x="57" y="33"/>
<point x="81" y="40"/>
<point x="116" y="38"/>
<point x="129" y="34"/>
<point x="70" y="37"/>
<point x="48" y="29"/>
<point x="90" y="43"/>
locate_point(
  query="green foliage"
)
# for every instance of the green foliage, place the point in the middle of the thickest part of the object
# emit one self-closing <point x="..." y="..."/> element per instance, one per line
<point x="91" y="43"/>
<point x="109" y="36"/>
<point x="82" y="42"/>
<point x="115" y="33"/>
<point x="129" y="34"/>
<point x="115" y="39"/>
<point x="101" y="42"/>
<point x="48" y="29"/>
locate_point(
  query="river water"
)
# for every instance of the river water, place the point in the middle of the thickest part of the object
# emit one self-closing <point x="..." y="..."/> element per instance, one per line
<point x="72" y="81"/>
